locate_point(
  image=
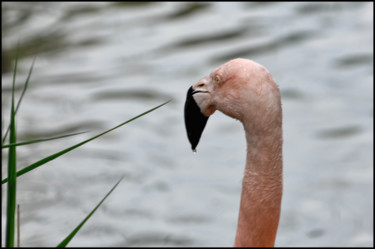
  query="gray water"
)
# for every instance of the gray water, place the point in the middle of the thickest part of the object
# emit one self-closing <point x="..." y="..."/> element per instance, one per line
<point x="99" y="64"/>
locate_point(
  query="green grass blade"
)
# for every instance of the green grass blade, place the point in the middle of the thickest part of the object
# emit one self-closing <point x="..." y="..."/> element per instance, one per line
<point x="26" y="85"/>
<point x="12" y="169"/>
<point x="51" y="157"/>
<point x="22" y="94"/>
<point x="40" y="140"/>
<point x="73" y="233"/>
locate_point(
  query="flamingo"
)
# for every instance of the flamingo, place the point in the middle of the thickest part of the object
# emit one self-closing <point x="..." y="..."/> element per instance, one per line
<point x="246" y="91"/>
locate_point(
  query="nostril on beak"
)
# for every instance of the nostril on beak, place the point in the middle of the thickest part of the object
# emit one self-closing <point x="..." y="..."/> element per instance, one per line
<point x="200" y="85"/>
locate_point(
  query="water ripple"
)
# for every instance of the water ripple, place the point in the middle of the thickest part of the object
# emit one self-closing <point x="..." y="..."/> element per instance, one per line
<point x="266" y="47"/>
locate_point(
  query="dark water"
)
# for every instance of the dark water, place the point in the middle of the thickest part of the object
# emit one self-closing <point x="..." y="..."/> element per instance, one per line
<point x="100" y="64"/>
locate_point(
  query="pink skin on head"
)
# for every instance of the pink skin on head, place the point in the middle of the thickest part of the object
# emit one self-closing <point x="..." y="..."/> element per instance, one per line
<point x="236" y="87"/>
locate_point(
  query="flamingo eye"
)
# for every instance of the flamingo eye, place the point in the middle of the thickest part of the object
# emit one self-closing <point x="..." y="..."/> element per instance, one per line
<point x="217" y="79"/>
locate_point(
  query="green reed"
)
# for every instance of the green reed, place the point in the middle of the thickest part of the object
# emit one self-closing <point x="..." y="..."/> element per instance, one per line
<point x="11" y="180"/>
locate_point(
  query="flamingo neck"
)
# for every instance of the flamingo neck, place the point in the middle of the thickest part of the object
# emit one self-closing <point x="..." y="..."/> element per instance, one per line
<point x="261" y="187"/>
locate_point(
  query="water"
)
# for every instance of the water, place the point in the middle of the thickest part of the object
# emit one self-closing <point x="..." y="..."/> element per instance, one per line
<point x="99" y="64"/>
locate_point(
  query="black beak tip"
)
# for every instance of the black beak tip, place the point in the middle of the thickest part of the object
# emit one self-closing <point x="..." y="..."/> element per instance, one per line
<point x="195" y="121"/>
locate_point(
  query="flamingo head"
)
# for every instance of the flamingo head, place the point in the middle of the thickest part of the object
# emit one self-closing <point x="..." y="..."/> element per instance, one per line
<point x="240" y="88"/>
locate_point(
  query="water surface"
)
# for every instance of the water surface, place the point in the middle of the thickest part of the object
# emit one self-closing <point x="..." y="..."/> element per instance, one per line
<point x="99" y="64"/>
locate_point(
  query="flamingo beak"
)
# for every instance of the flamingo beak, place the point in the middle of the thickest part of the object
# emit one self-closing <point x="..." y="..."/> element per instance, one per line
<point x="195" y="121"/>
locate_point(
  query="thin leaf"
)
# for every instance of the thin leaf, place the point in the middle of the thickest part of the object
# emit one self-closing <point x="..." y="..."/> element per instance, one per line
<point x="12" y="169"/>
<point x="26" y="84"/>
<point x="73" y="233"/>
<point x="41" y="140"/>
<point x="22" y="94"/>
<point x="51" y="157"/>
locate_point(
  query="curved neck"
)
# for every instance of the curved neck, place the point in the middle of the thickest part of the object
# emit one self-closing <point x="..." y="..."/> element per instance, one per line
<point x="261" y="187"/>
